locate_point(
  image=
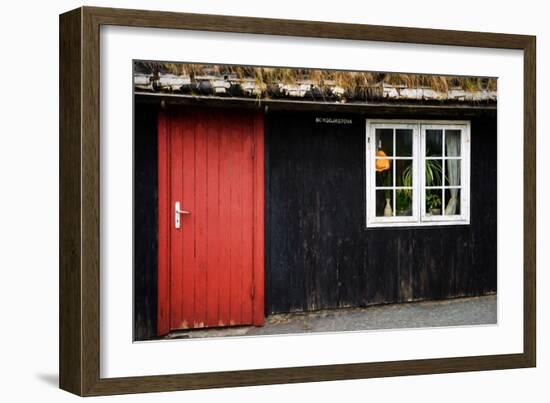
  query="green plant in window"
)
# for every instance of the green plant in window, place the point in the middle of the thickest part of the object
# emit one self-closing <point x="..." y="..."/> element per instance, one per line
<point x="403" y="197"/>
<point x="433" y="202"/>
<point x="403" y="202"/>
<point x="434" y="173"/>
<point x="406" y="177"/>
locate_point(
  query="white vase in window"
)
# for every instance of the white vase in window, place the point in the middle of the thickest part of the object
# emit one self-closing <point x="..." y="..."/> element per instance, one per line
<point x="387" y="209"/>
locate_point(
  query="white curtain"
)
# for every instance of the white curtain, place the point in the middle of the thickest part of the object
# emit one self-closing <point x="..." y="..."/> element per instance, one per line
<point x="452" y="145"/>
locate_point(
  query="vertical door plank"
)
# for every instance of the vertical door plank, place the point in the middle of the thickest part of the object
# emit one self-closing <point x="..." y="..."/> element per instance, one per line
<point x="247" y="188"/>
<point x="176" y="234"/>
<point x="225" y="178"/>
<point x="200" y="219"/>
<point x="188" y="223"/>
<point x="163" y="306"/>
<point x="235" y="211"/>
<point x="213" y="228"/>
<point x="258" y="235"/>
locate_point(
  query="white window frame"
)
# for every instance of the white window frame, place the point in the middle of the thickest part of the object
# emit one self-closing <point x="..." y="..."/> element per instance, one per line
<point x="419" y="217"/>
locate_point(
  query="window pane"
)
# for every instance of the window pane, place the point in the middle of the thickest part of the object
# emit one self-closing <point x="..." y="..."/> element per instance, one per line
<point x="384" y="141"/>
<point x="433" y="202"/>
<point x="452" y="200"/>
<point x="384" y="203"/>
<point x="404" y="173"/>
<point x="403" y="202"/>
<point x="452" y="173"/>
<point x="434" y="172"/>
<point x="403" y="142"/>
<point x="452" y="143"/>
<point x="384" y="178"/>
<point x="434" y="145"/>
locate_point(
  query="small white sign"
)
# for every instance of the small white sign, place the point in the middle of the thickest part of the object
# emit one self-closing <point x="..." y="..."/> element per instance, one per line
<point x="334" y="121"/>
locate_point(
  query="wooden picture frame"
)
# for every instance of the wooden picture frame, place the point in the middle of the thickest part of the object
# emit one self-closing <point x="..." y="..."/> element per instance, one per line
<point x="80" y="184"/>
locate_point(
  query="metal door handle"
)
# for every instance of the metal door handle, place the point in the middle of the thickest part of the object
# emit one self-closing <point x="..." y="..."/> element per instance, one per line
<point x="177" y="214"/>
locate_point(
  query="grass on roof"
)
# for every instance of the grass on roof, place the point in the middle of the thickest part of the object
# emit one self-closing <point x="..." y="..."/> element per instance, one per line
<point x="352" y="81"/>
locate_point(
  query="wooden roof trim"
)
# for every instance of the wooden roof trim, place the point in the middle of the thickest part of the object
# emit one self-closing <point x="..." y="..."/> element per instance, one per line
<point x="410" y="108"/>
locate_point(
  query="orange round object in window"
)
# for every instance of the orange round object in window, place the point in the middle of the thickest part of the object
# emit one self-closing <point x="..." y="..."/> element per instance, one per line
<point x="382" y="164"/>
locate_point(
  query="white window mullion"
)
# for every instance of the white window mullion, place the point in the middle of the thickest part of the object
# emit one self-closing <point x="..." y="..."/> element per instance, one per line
<point x="422" y="163"/>
<point x="417" y="197"/>
<point x="443" y="171"/>
<point x="465" y="174"/>
<point x="394" y="181"/>
<point x="370" y="173"/>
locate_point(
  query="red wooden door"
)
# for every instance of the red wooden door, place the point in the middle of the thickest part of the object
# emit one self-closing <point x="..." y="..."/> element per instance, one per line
<point x="211" y="268"/>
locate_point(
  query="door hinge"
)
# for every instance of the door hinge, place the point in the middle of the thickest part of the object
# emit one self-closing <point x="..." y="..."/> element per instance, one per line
<point x="252" y="291"/>
<point x="253" y="150"/>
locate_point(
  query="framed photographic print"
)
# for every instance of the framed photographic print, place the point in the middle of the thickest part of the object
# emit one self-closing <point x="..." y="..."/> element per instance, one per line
<point x="249" y="201"/>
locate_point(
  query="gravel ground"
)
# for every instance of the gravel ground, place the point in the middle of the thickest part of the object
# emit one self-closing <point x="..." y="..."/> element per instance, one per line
<point x="455" y="312"/>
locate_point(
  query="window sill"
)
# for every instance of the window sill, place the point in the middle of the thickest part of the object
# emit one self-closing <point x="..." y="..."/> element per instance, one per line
<point x="411" y="225"/>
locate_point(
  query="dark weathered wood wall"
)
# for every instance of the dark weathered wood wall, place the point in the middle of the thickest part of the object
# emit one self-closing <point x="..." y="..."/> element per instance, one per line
<point x="319" y="253"/>
<point x="145" y="221"/>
